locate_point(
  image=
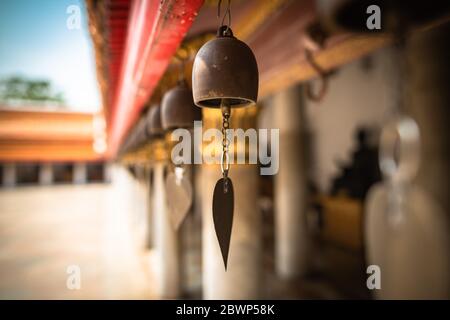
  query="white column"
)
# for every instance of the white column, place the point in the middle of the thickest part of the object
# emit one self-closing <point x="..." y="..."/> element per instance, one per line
<point x="107" y="172"/>
<point x="428" y="101"/>
<point x="243" y="278"/>
<point x="150" y="219"/>
<point x="79" y="173"/>
<point x="9" y="175"/>
<point x="291" y="240"/>
<point x="165" y="240"/>
<point x="191" y="239"/>
<point x="45" y="174"/>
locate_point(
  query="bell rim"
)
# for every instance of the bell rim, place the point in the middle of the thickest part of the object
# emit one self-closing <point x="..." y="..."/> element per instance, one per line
<point x="204" y="98"/>
<point x="182" y="126"/>
<point x="249" y="102"/>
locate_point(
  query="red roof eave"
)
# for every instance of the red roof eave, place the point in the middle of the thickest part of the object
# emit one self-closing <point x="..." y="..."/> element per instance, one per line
<point x="155" y="30"/>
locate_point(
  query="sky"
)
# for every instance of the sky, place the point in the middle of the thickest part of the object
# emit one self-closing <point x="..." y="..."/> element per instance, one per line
<point x="35" y="42"/>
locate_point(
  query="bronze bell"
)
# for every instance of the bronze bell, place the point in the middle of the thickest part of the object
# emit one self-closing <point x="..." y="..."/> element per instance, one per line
<point x="225" y="71"/>
<point x="140" y="135"/>
<point x="153" y="122"/>
<point x="178" y="109"/>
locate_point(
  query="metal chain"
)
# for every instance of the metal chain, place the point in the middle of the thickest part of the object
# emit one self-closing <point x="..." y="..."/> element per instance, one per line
<point x="225" y="161"/>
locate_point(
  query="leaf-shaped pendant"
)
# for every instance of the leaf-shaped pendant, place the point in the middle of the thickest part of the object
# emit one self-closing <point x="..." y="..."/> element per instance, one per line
<point x="179" y="198"/>
<point x="223" y="206"/>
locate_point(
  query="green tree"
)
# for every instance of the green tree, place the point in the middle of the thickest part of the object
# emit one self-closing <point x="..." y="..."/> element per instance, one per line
<point x="16" y="89"/>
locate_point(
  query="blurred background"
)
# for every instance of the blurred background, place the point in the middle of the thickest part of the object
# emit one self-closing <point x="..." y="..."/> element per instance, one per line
<point x="363" y="179"/>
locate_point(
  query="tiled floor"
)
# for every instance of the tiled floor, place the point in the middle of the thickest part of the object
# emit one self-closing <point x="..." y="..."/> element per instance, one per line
<point x="43" y="230"/>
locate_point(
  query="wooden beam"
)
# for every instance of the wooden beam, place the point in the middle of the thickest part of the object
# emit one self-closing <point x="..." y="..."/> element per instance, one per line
<point x="298" y="69"/>
<point x="255" y="15"/>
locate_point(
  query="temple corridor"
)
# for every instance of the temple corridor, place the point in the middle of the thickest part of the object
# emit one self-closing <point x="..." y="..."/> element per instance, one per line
<point x="161" y="150"/>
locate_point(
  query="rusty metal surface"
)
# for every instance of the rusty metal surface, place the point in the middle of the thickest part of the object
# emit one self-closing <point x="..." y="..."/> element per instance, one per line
<point x="178" y="109"/>
<point x="153" y="119"/>
<point x="225" y="68"/>
<point x="223" y="207"/>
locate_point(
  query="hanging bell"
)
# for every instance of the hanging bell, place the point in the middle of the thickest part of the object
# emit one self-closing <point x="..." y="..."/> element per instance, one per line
<point x="225" y="72"/>
<point x="225" y="76"/>
<point x="178" y="109"/>
<point x="140" y="134"/>
<point x="153" y="122"/>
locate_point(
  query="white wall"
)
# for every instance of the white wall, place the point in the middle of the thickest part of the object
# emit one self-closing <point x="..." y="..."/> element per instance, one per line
<point x="357" y="96"/>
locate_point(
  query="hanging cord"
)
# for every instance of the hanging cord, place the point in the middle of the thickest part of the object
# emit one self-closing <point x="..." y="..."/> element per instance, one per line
<point x="399" y="26"/>
<point x="313" y="41"/>
<point x="323" y="76"/>
<point x="398" y="85"/>
<point x="225" y="161"/>
<point x="400" y="34"/>
<point x="227" y="13"/>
